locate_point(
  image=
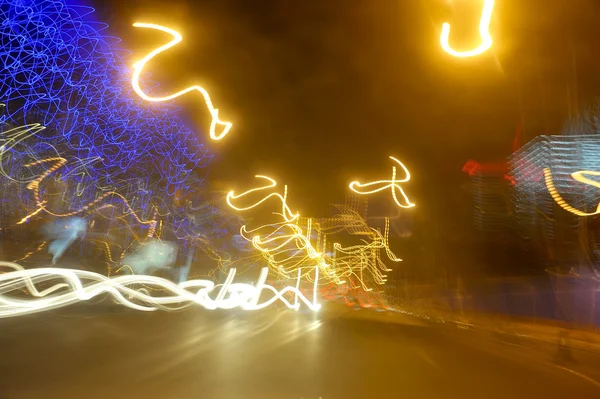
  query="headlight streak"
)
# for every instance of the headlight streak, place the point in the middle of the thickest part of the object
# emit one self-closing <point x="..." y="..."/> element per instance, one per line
<point x="380" y="185"/>
<point x="66" y="287"/>
<point x="578" y="176"/>
<point x="484" y="32"/>
<point x="138" y="68"/>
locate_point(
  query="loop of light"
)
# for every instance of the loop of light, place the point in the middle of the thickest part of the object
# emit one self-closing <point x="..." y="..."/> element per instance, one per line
<point x="72" y="286"/>
<point x="385" y="184"/>
<point x="138" y="67"/>
<point x="484" y="32"/>
<point x="578" y="176"/>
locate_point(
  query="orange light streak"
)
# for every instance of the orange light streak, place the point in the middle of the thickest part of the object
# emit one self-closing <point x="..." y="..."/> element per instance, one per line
<point x="138" y="68"/>
<point x="484" y="32"/>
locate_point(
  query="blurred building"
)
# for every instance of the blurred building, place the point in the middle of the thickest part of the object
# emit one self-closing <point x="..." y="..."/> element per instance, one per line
<point x="561" y="238"/>
<point x="491" y="196"/>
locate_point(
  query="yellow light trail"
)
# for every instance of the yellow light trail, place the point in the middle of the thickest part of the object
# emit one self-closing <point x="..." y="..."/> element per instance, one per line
<point x="578" y="176"/>
<point x="384" y="184"/>
<point x="287" y="248"/>
<point x="274" y="245"/>
<point x="287" y="214"/>
<point x="138" y="68"/>
<point x="484" y="32"/>
<point x="353" y="261"/>
<point x="58" y="162"/>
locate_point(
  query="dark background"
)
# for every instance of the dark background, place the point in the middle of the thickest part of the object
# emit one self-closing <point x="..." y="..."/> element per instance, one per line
<point x="321" y="92"/>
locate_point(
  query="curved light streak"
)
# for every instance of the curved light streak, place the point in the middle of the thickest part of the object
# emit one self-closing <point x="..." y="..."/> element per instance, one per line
<point x="286" y="212"/>
<point x="138" y="68"/>
<point x="380" y="185"/>
<point x="52" y="288"/>
<point x="578" y="176"/>
<point x="484" y="32"/>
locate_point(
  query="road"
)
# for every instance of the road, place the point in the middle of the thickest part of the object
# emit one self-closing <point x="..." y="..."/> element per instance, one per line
<point x="86" y="352"/>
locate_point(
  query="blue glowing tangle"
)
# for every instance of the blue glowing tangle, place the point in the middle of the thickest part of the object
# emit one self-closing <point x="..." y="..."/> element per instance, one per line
<point x="60" y="70"/>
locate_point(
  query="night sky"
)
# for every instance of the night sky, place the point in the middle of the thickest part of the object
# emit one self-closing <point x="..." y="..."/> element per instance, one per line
<point x="322" y="92"/>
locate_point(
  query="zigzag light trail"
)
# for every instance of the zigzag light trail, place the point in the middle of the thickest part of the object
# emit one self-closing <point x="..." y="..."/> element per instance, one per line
<point x="578" y="176"/>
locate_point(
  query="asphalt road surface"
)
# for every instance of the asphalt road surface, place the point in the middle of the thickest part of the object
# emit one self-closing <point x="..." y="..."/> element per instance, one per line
<point x="93" y="353"/>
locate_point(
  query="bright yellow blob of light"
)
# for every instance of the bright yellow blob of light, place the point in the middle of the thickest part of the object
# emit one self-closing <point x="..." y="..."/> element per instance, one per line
<point x="580" y="178"/>
<point x="138" y="67"/>
<point x="484" y="32"/>
<point x="381" y="185"/>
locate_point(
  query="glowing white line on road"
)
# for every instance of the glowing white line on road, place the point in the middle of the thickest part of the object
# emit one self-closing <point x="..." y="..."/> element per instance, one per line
<point x="72" y="286"/>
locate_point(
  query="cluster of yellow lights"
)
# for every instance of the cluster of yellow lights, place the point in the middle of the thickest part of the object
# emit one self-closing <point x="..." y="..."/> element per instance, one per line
<point x="50" y="288"/>
<point x="285" y="237"/>
<point x="484" y="32"/>
<point x="380" y="185"/>
<point x="138" y="68"/>
<point x="578" y="176"/>
<point x="286" y="245"/>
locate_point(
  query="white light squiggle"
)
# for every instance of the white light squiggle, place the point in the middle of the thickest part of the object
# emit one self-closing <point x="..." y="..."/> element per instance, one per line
<point x="72" y="286"/>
